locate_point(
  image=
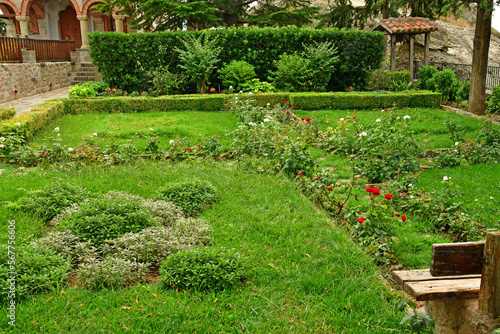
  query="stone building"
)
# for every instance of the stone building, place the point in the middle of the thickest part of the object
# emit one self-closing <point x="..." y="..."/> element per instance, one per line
<point x="58" y="19"/>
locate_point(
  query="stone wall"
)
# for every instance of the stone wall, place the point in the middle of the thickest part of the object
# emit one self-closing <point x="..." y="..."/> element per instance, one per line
<point x="27" y="79"/>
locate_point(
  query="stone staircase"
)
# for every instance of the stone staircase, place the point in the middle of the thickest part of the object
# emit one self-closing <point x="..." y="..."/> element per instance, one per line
<point x="86" y="72"/>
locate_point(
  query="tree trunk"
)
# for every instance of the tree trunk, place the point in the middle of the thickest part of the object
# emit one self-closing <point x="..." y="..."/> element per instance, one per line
<point x="477" y="96"/>
<point x="385" y="10"/>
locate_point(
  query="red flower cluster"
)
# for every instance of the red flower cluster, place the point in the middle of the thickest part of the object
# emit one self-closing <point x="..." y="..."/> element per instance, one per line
<point x="293" y="107"/>
<point x="286" y="101"/>
<point x="388" y="196"/>
<point x="189" y="149"/>
<point x="307" y="119"/>
<point x="212" y="90"/>
<point x="287" y="112"/>
<point x="360" y="220"/>
<point x="329" y="188"/>
<point x="373" y="191"/>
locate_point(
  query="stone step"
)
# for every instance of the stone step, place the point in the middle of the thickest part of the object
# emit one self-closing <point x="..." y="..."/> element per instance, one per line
<point x="87" y="65"/>
<point x="87" y="71"/>
<point x="89" y="75"/>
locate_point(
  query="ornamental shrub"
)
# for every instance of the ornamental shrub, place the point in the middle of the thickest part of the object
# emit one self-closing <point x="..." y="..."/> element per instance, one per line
<point x="165" y="82"/>
<point x="463" y="91"/>
<point x="293" y="73"/>
<point x="88" y="89"/>
<point x="235" y="74"/>
<point x="6" y="113"/>
<point x="192" y="196"/>
<point x="446" y="83"/>
<point x="384" y="79"/>
<point x="425" y="77"/>
<point x="493" y="102"/>
<point x="323" y="57"/>
<point x="205" y="269"/>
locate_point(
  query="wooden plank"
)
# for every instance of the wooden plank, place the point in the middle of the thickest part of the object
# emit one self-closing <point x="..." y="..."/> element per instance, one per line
<point x="393" y="52"/>
<point x="444" y="289"/>
<point x="460" y="258"/>
<point x="426" y="48"/>
<point x="412" y="54"/>
<point x="489" y="298"/>
<point x="418" y="275"/>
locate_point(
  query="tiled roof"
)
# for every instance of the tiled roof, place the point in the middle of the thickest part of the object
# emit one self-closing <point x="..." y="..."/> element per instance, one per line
<point x="407" y="25"/>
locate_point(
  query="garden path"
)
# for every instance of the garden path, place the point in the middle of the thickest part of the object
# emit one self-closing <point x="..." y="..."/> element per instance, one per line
<point x="25" y="104"/>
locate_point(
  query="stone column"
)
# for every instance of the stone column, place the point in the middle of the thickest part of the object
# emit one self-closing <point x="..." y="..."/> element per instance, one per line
<point x="118" y="22"/>
<point x="84" y="27"/>
<point x="23" y="23"/>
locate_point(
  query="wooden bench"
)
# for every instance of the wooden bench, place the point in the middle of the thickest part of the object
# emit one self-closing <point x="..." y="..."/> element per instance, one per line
<point x="462" y="287"/>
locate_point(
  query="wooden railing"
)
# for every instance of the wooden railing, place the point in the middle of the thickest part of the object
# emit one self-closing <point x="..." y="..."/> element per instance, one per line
<point x="45" y="49"/>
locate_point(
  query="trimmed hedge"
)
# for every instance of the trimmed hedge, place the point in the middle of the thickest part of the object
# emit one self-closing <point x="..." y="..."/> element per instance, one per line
<point x="144" y="104"/>
<point x="123" y="59"/>
<point x="340" y="100"/>
<point x="7" y="113"/>
<point x="29" y="123"/>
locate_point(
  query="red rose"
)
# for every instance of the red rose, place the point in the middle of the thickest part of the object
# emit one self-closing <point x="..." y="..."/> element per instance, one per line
<point x="293" y="107"/>
<point x="403" y="218"/>
<point x="308" y="119"/>
<point x="388" y="196"/>
<point x="354" y="117"/>
<point x="301" y="175"/>
<point x="316" y="179"/>
<point x="360" y="220"/>
<point x="329" y="188"/>
<point x="286" y="101"/>
<point x="370" y="189"/>
<point x="371" y="198"/>
<point x="376" y="192"/>
<point x="189" y="149"/>
<point x="302" y="119"/>
<point x="397" y="215"/>
<point x="287" y="112"/>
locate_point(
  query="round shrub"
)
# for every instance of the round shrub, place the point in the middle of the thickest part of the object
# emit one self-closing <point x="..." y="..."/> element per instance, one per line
<point x="425" y="77"/>
<point x="101" y="219"/>
<point x="38" y="269"/>
<point x="50" y="201"/>
<point x="446" y="83"/>
<point x="88" y="89"/>
<point x="293" y="73"/>
<point x="191" y="196"/>
<point x="493" y="102"/>
<point x="202" y="269"/>
<point x="236" y="73"/>
<point x="463" y="91"/>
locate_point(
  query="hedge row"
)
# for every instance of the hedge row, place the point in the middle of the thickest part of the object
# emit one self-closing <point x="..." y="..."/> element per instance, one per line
<point x="123" y="59"/>
<point x="340" y="100"/>
<point x="29" y="123"/>
<point x="6" y="113"/>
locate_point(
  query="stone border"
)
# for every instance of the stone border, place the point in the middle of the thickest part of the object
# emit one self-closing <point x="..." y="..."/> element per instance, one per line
<point x="466" y="113"/>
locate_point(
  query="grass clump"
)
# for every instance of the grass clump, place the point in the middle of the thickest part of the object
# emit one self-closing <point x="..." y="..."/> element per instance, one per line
<point x="192" y="196"/>
<point x="203" y="269"/>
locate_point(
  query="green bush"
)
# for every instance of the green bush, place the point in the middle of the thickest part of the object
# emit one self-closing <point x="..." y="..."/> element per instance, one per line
<point x="359" y="52"/>
<point x="425" y="77"/>
<point x="340" y="100"/>
<point x="293" y="73"/>
<point x="50" y="201"/>
<point x="257" y="86"/>
<point x="37" y="269"/>
<point x="101" y="219"/>
<point x="235" y="74"/>
<point x="463" y="91"/>
<point x="384" y="80"/>
<point x="446" y="83"/>
<point x="165" y="82"/>
<point x="324" y="58"/>
<point x="493" y="102"/>
<point x="204" y="269"/>
<point x="7" y="113"/>
<point x="192" y="196"/>
<point x="88" y="89"/>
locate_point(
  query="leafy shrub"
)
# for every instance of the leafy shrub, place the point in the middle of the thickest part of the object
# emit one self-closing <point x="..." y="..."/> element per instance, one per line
<point x="198" y="59"/>
<point x="257" y="86"/>
<point x="463" y="91"/>
<point x="165" y="82"/>
<point x="204" y="269"/>
<point x="324" y="57"/>
<point x="293" y="73"/>
<point x="100" y="219"/>
<point x="425" y="77"/>
<point x="88" y="89"/>
<point x="65" y="244"/>
<point x="192" y="196"/>
<point x="236" y="73"/>
<point x="384" y="79"/>
<point x="110" y="272"/>
<point x="6" y="113"/>
<point x="37" y="269"/>
<point x="448" y="159"/>
<point x="493" y="102"/>
<point x="50" y="201"/>
<point x="446" y="83"/>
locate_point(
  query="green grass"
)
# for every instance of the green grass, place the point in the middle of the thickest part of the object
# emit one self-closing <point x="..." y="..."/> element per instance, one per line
<point x="119" y="128"/>
<point x="308" y="275"/>
<point x="428" y="124"/>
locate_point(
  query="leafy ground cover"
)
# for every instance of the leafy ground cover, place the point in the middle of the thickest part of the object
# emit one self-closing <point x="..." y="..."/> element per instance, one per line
<point x="428" y="124"/>
<point x="120" y="128"/>
<point x="307" y="274"/>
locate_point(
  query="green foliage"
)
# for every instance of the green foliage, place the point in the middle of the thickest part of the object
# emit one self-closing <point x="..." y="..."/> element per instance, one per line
<point x="6" y="113"/>
<point x="340" y="100"/>
<point x="493" y="102"/>
<point x="293" y="73"/>
<point x="165" y="82"/>
<point x="463" y="91"/>
<point x="323" y="57"/>
<point x="446" y="83"/>
<point x="3" y="26"/>
<point x="236" y="74"/>
<point x="50" y="201"/>
<point x="101" y="219"/>
<point x="418" y="321"/>
<point x="359" y="52"/>
<point x="205" y="269"/>
<point x="384" y="80"/>
<point x="198" y="59"/>
<point x="425" y="77"/>
<point x="88" y="89"/>
<point x="36" y="269"/>
<point x="192" y="196"/>
<point x="257" y="86"/>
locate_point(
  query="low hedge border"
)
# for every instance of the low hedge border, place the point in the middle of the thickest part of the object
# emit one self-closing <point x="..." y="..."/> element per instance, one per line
<point x="29" y="123"/>
<point x="368" y="100"/>
<point x="7" y="113"/>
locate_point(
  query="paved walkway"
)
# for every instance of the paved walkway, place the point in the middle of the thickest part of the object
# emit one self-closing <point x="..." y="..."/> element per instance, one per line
<point x="26" y="103"/>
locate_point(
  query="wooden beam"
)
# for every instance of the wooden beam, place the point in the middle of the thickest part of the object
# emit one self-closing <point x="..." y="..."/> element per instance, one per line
<point x="412" y="43"/>
<point x="460" y="258"/>
<point x="489" y="296"/>
<point x="418" y="275"/>
<point x="426" y="50"/>
<point x="444" y="289"/>
<point x="393" y="52"/>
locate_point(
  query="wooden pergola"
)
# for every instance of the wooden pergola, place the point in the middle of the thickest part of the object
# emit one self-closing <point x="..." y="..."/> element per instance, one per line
<point x="405" y="29"/>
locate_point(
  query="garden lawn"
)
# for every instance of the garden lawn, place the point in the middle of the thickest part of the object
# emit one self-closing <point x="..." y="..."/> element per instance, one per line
<point x="123" y="127"/>
<point x="428" y="124"/>
<point x="308" y="276"/>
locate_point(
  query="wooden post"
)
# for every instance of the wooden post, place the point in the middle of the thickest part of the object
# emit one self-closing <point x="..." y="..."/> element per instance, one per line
<point x="489" y="294"/>
<point x="393" y="52"/>
<point x="412" y="42"/>
<point x="426" y="50"/>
